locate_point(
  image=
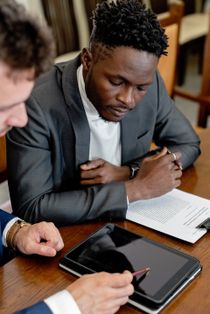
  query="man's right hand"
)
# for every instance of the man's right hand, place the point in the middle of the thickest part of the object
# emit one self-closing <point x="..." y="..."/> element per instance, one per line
<point x="158" y="175"/>
<point x="102" y="292"/>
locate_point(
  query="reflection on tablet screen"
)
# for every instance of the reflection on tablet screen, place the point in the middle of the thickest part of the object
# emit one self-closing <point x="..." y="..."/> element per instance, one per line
<point x="114" y="249"/>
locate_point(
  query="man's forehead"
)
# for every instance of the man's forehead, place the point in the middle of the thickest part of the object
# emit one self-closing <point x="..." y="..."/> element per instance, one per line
<point x="7" y="72"/>
<point x="101" y="51"/>
<point x="127" y="58"/>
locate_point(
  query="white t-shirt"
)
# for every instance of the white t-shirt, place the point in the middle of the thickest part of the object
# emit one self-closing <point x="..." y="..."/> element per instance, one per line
<point x="104" y="135"/>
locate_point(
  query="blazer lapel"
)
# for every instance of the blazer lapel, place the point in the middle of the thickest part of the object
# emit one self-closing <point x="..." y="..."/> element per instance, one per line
<point x="134" y="128"/>
<point x="129" y="131"/>
<point x="77" y="113"/>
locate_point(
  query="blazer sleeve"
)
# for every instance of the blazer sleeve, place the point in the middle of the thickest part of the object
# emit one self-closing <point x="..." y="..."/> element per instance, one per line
<point x="38" y="308"/>
<point x="172" y="129"/>
<point x="4" y="219"/>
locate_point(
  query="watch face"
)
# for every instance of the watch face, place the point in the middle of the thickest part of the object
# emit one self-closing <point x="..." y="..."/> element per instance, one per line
<point x="22" y="223"/>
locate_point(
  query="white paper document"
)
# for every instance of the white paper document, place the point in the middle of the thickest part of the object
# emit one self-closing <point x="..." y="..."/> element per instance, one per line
<point x="176" y="213"/>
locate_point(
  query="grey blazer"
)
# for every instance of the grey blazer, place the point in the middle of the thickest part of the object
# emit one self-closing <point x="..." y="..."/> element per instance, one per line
<point x="44" y="157"/>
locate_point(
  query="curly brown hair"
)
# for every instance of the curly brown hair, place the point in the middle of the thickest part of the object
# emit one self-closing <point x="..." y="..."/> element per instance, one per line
<point x="24" y="43"/>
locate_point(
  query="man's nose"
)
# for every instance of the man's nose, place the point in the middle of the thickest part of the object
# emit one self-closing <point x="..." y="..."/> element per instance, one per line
<point x="18" y="116"/>
<point x="126" y="96"/>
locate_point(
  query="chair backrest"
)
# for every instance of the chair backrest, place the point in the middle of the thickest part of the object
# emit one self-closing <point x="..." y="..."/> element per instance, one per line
<point x="205" y="85"/>
<point x="203" y="97"/>
<point x="167" y="64"/>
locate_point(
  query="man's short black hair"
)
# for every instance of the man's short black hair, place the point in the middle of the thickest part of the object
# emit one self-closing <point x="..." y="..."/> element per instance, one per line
<point x="128" y="23"/>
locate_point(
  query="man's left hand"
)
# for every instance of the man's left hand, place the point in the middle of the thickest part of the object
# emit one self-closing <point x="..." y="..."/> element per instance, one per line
<point x="99" y="171"/>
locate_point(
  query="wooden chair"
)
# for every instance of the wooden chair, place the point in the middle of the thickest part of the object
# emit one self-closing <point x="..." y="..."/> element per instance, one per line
<point x="167" y="65"/>
<point x="3" y="160"/>
<point x="194" y="27"/>
<point x="203" y="97"/>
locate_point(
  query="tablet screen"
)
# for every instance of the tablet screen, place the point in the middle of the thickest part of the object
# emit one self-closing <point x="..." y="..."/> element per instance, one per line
<point x="115" y="249"/>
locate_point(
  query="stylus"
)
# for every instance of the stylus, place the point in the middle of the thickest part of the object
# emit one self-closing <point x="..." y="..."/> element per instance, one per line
<point x="143" y="271"/>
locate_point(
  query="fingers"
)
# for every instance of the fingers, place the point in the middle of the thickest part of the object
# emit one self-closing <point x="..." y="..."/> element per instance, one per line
<point x="92" y="177"/>
<point x="174" y="157"/>
<point x="120" y="280"/>
<point x="42" y="249"/>
<point x="41" y="238"/>
<point x="50" y="234"/>
<point x="91" y="173"/>
<point x="101" y="293"/>
<point x="162" y="153"/>
<point x="93" y="164"/>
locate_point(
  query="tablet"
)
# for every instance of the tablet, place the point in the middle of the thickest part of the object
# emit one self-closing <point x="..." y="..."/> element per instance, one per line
<point x="114" y="249"/>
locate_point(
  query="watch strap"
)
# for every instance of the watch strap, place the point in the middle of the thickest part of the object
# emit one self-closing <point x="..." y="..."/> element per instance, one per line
<point x="13" y="231"/>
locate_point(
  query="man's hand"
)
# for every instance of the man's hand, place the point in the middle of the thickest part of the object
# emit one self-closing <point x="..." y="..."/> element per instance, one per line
<point x="158" y="175"/>
<point x="102" y="292"/>
<point x="41" y="238"/>
<point x="100" y="171"/>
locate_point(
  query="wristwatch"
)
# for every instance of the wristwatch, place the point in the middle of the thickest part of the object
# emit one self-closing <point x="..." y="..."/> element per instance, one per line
<point x="13" y="231"/>
<point x="133" y="171"/>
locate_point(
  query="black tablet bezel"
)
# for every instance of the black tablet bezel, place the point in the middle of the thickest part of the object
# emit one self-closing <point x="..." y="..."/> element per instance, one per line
<point x="193" y="265"/>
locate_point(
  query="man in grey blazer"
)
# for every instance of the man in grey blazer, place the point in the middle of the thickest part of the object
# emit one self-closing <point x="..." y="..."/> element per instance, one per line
<point x="91" y="124"/>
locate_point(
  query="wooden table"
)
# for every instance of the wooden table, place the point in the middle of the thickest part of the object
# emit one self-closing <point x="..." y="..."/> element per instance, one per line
<point x="25" y="280"/>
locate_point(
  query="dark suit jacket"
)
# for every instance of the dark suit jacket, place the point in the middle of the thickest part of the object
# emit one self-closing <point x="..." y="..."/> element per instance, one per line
<point x="4" y="219"/>
<point x="44" y="157"/>
<point x="39" y="308"/>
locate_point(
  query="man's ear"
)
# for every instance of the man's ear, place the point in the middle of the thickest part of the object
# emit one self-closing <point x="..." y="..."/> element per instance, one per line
<point x="86" y="58"/>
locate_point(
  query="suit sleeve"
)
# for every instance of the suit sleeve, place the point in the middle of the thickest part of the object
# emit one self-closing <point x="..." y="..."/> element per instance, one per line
<point x="172" y="129"/>
<point x="38" y="308"/>
<point x="4" y="219"/>
<point x="60" y="303"/>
